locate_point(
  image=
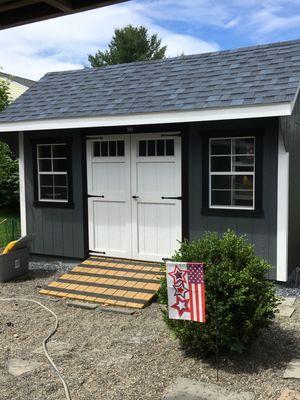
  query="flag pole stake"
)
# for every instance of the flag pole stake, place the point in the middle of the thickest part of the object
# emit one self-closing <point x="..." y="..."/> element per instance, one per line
<point x="217" y="330"/>
<point x="217" y="349"/>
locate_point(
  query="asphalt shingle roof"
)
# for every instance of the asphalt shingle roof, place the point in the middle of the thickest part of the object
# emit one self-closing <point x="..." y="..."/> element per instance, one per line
<point x="257" y="75"/>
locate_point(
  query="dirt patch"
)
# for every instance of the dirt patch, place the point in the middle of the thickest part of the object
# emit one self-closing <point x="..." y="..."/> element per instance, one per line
<point x="109" y="356"/>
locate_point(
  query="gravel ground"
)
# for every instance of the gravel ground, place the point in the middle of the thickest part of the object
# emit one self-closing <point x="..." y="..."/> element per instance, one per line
<point x="110" y="356"/>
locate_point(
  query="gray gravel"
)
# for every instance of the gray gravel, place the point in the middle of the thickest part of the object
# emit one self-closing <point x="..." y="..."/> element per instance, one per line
<point x="286" y="291"/>
<point x="110" y="356"/>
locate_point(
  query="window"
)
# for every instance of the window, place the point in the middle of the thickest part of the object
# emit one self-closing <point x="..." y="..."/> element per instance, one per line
<point x="232" y="173"/>
<point x="53" y="173"/>
<point x="109" y="148"/>
<point x="156" y="148"/>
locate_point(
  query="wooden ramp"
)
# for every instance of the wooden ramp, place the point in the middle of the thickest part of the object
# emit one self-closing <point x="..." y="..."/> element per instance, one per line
<point x="109" y="281"/>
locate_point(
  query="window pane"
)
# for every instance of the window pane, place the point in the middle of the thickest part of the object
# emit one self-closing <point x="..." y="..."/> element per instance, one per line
<point x="170" y="147"/>
<point x="221" y="182"/>
<point x="160" y="147"/>
<point x="96" y="149"/>
<point x="46" y="193"/>
<point x="151" y="148"/>
<point x="45" y="165"/>
<point x="112" y="148"/>
<point x="44" y="151"/>
<point x="221" y="164"/>
<point x="220" y="146"/>
<point x="220" y="197"/>
<point x="242" y="182"/>
<point x="242" y="198"/>
<point x="104" y="149"/>
<point x="243" y="146"/>
<point x="142" y="148"/>
<point x="59" y="165"/>
<point x="60" y="193"/>
<point x="46" y="180"/>
<point x="60" y="180"/>
<point x="243" y="163"/>
<point x="59" y="150"/>
<point x="121" y="150"/>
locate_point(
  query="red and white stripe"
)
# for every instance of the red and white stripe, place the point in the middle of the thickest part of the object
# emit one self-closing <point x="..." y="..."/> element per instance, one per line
<point x="197" y="302"/>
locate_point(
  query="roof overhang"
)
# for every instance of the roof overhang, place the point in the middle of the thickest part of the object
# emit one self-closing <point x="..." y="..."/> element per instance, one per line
<point x="20" y="12"/>
<point x="262" y="111"/>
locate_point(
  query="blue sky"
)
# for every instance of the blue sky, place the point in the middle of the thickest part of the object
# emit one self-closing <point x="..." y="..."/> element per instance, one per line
<point x="189" y="26"/>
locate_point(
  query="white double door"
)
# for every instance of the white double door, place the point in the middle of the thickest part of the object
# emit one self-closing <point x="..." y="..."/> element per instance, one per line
<point x="134" y="195"/>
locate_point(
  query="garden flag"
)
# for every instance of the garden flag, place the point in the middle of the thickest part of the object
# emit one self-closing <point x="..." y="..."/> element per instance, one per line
<point x="186" y="295"/>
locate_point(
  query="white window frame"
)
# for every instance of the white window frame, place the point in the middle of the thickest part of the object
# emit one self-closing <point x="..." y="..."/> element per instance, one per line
<point x="231" y="173"/>
<point x="39" y="173"/>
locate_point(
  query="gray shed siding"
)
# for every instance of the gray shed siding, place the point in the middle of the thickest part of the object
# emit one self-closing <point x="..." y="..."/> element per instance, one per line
<point x="262" y="232"/>
<point x="291" y="130"/>
<point x="57" y="231"/>
<point x="61" y="232"/>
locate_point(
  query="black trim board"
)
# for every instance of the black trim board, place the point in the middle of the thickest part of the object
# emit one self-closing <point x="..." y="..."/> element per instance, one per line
<point x="258" y="211"/>
<point x="50" y="140"/>
<point x="84" y="195"/>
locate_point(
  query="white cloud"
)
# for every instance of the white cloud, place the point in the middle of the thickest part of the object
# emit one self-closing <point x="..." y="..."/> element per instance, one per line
<point x="179" y="44"/>
<point x="64" y="43"/>
<point x="267" y="21"/>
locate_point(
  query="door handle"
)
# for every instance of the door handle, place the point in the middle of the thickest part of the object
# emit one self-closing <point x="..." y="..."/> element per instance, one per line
<point x="171" y="198"/>
<point x="135" y="197"/>
<point x="91" y="195"/>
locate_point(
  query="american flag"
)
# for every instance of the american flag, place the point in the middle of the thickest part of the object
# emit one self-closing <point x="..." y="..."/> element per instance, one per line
<point x="197" y="294"/>
<point x="186" y="291"/>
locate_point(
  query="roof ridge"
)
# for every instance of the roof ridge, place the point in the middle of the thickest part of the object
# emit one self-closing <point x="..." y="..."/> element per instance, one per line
<point x="181" y="57"/>
<point x="16" y="77"/>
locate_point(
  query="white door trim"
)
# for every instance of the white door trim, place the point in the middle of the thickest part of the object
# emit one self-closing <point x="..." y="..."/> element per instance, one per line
<point x="282" y="210"/>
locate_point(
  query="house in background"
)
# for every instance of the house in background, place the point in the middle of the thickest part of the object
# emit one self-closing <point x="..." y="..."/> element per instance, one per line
<point x="127" y="160"/>
<point x="18" y="85"/>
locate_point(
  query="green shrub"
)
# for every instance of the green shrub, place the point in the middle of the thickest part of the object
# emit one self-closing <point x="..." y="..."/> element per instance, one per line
<point x="239" y="300"/>
<point x="9" y="178"/>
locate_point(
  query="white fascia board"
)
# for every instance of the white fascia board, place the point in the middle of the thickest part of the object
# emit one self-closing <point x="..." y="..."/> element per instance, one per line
<point x="218" y="114"/>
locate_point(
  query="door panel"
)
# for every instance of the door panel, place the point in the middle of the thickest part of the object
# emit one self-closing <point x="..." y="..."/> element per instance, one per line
<point x="108" y="227"/>
<point x="156" y="222"/>
<point x="156" y="233"/>
<point x="109" y="203"/>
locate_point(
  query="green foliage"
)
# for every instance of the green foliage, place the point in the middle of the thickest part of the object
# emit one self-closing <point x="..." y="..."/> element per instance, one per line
<point x="239" y="300"/>
<point x="127" y="45"/>
<point x="4" y="94"/>
<point x="9" y="177"/>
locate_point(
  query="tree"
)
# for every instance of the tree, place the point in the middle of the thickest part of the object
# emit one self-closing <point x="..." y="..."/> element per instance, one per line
<point x="9" y="180"/>
<point x="4" y="94"/>
<point x="9" y="177"/>
<point x="129" y="44"/>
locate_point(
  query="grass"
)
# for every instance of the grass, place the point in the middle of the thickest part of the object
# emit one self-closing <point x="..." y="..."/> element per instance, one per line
<point x="9" y="226"/>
